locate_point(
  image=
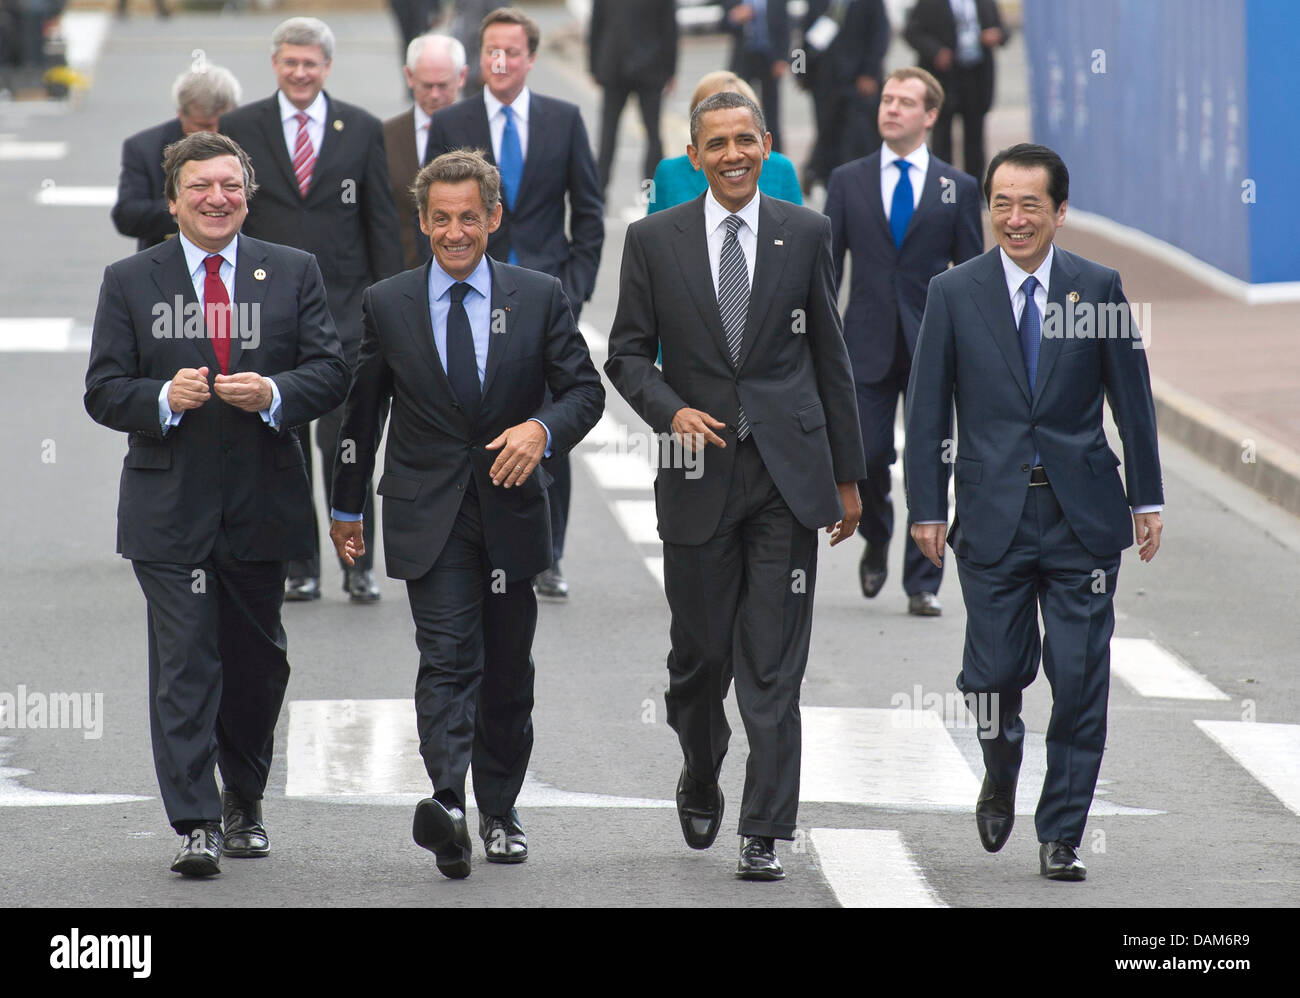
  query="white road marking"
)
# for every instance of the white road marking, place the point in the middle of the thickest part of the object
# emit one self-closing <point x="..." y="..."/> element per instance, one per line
<point x="620" y="471"/>
<point x="1269" y="752"/>
<point x="35" y="335"/>
<point x="77" y="197"/>
<point x="83" y="33"/>
<point x="11" y="149"/>
<point x="607" y="432"/>
<point x="638" y="519"/>
<point x="597" y="341"/>
<point x="871" y="868"/>
<point x="13" y="794"/>
<point x="656" y="568"/>
<point x="1154" y="671"/>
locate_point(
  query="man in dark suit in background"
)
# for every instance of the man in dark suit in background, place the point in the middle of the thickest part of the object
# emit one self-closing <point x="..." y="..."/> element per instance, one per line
<point x="325" y="189"/>
<point x="540" y="146"/>
<point x="904" y="215"/>
<point x="632" y="48"/>
<point x="1034" y="336"/>
<point x="757" y="387"/>
<point x="954" y="40"/>
<point x="213" y="481"/>
<point x="486" y="372"/>
<point x="760" y="52"/>
<point x="435" y="71"/>
<point x="201" y="96"/>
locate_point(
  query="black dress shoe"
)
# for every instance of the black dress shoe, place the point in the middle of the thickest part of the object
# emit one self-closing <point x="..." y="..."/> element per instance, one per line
<point x="550" y="584"/>
<point x="758" y="860"/>
<point x="995" y="813"/>
<point x="242" y="829"/>
<point x="1059" y="861"/>
<point x="503" y="837"/>
<point x="200" y="854"/>
<point x="444" y="833"/>
<point x="301" y="589"/>
<point x="873" y="568"/>
<point x="924" y="605"/>
<point x="699" y="808"/>
<point x="359" y="584"/>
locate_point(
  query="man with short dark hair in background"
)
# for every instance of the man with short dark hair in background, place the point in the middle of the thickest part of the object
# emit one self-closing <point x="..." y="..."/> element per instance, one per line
<point x="201" y="96"/>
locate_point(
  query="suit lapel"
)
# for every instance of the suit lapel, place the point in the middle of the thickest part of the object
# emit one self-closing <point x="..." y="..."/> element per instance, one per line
<point x="1060" y="282"/>
<point x="419" y="326"/>
<point x="327" y="154"/>
<point x="691" y="250"/>
<point x="503" y="301"/>
<point x="994" y="304"/>
<point x="870" y="177"/>
<point x="273" y="135"/>
<point x="173" y="281"/>
<point x="250" y="292"/>
<point x="538" y="120"/>
<point x="772" y="250"/>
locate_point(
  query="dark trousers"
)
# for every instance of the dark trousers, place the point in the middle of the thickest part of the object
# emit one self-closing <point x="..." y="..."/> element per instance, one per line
<point x="1045" y="568"/>
<point x="756" y="69"/>
<point x="327" y="439"/>
<point x="962" y="99"/>
<point x="742" y="606"/>
<point x="649" y="98"/>
<point x="218" y="669"/>
<point x="474" y="689"/>
<point x="877" y="405"/>
<point x="846" y="127"/>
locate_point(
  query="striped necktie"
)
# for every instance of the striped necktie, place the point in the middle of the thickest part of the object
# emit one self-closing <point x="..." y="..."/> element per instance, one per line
<point x="733" y="301"/>
<point x="304" y="158"/>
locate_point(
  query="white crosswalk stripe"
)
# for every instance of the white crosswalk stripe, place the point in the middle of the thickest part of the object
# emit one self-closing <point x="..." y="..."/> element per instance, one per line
<point x="871" y="868"/>
<point x="1269" y="752"/>
<point x="1154" y="671"/>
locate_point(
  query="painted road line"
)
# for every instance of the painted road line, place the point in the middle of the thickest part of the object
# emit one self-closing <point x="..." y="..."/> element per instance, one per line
<point x="12" y="149"/>
<point x="1153" y="671"/>
<point x="35" y="335"/>
<point x="14" y="794"/>
<point x="77" y="197"/>
<point x="1269" y="752"/>
<point x="638" y="519"/>
<point x="871" y="868"/>
<point x="617" y="471"/>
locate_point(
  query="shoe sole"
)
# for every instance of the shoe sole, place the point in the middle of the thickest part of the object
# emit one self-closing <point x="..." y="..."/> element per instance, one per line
<point x="362" y="599"/>
<point x="196" y="867"/>
<point x="1065" y="875"/>
<point x="507" y="860"/>
<point x="764" y="876"/>
<point x="246" y="853"/>
<point x="300" y="598"/>
<point x="453" y="860"/>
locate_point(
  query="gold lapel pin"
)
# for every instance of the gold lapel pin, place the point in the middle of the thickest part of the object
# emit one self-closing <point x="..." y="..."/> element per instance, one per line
<point x="1073" y="296"/>
<point x="259" y="274"/>
<point x="338" y="125"/>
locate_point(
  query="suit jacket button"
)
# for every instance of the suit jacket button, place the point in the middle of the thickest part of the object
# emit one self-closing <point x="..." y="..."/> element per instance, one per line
<point x="1024" y="467"/>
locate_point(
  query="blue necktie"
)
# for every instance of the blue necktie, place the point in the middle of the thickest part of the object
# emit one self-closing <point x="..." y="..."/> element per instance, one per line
<point x="1031" y="331"/>
<point x="901" y="208"/>
<point x="512" y="166"/>
<point x="462" y="364"/>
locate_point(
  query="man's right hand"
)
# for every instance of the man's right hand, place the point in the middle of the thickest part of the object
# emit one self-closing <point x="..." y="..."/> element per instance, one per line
<point x="348" y="540"/>
<point x="692" y="428"/>
<point x="929" y="538"/>
<point x="943" y="60"/>
<point x="189" y="389"/>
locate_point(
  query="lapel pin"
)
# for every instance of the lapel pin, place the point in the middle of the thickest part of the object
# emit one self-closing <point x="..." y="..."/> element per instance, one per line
<point x="338" y="125"/>
<point x="777" y="242"/>
<point x="1073" y="296"/>
<point x="259" y="274"/>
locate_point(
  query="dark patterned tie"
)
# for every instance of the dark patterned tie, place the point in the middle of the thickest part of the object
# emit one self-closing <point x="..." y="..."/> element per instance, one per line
<point x="462" y="365"/>
<point x="733" y="301"/>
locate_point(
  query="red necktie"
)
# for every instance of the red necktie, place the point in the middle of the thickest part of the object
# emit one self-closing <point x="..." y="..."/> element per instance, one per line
<point x="303" y="157"/>
<point x="216" y="311"/>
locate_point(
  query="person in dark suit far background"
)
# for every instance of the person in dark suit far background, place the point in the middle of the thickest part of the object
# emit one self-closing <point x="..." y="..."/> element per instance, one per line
<point x="540" y="146"/>
<point x="325" y="189"/>
<point x="739" y="291"/>
<point x="1042" y="514"/>
<point x="200" y="96"/>
<point x="435" y="71"/>
<point x="632" y="48"/>
<point x="760" y="52"/>
<point x="213" y="481"/>
<point x="904" y="216"/>
<point x="476" y="403"/>
<point x="954" y="40"/>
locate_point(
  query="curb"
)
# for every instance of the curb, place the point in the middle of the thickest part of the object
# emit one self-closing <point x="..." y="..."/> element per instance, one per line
<point x="1227" y="443"/>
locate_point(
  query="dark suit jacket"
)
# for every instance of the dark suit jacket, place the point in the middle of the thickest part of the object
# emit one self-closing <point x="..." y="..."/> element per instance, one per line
<point x="558" y="162"/>
<point x="220" y="464"/>
<point x="403" y="165"/>
<point x="778" y="29"/>
<point x="141" y="209"/>
<point x="347" y="219"/>
<point x="889" y="283"/>
<point x="433" y="448"/>
<point x="931" y="27"/>
<point x="633" y="42"/>
<point x="793" y="380"/>
<point x="859" y="47"/>
<point x="969" y="350"/>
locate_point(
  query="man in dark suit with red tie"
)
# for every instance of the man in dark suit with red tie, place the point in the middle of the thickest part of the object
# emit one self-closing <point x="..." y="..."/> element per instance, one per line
<point x="213" y="481"/>
<point x="486" y="372"/>
<point x="325" y="189"/>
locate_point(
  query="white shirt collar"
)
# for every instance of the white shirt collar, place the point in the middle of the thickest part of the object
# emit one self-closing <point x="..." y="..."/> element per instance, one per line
<point x="918" y="157"/>
<point x="421" y="119"/>
<point x="480" y="279"/>
<point x="1016" y="277"/>
<point x="195" y="255"/>
<point x="715" y="214"/>
<point x="316" y="111"/>
<point x="519" y="106"/>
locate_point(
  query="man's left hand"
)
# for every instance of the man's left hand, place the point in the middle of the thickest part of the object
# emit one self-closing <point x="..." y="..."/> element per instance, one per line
<point x="780" y="68"/>
<point x="521" y="449"/>
<point x="1147" y="527"/>
<point x="991" y="38"/>
<point x="852" y="503"/>
<point x="246" y="390"/>
<point x="867" y="86"/>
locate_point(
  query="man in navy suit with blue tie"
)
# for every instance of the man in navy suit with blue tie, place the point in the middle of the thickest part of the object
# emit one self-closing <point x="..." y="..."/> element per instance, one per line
<point x="904" y="215"/>
<point x="1026" y="340"/>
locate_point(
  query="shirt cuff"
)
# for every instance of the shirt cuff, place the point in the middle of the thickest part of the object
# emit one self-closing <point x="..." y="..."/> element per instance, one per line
<point x="547" y="452"/>
<point x="1146" y="509"/>
<point x="923" y="523"/>
<point x="166" y="417"/>
<point x="271" y="414"/>
<point x="344" y="517"/>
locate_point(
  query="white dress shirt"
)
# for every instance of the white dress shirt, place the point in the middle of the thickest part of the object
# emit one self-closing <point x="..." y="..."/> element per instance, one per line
<point x="421" y="133"/>
<point x="316" y="113"/>
<point x="890" y="175"/>
<point x="716" y="232"/>
<point x="497" y="122"/>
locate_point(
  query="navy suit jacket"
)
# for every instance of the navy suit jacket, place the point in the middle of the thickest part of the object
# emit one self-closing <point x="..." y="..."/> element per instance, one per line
<point x="889" y="283"/>
<point x="141" y="209"/>
<point x="969" y="352"/>
<point x="558" y="163"/>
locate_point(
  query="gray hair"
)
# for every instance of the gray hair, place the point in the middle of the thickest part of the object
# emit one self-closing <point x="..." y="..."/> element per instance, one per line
<point x="435" y="45"/>
<point x="454" y="167"/>
<point x="211" y="91"/>
<point x="201" y="146"/>
<point x="723" y="101"/>
<point x="304" y="31"/>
